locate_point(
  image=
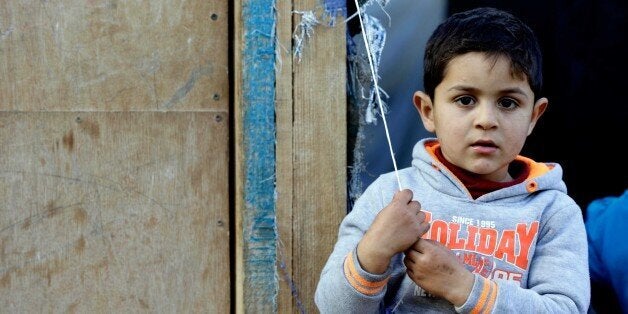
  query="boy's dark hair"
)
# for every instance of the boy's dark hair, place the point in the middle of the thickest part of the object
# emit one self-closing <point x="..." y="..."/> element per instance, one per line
<point x="488" y="30"/>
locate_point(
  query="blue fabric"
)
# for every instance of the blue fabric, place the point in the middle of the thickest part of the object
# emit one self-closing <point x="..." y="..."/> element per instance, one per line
<point x="259" y="137"/>
<point x="607" y="232"/>
<point x="334" y="5"/>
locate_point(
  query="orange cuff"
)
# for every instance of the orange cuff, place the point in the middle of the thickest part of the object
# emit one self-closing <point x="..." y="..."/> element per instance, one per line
<point x="360" y="283"/>
<point x="487" y="297"/>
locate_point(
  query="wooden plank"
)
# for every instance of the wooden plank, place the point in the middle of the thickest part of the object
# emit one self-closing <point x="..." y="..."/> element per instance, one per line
<point x="288" y="289"/>
<point x="256" y="277"/>
<point x="319" y="145"/>
<point x="114" y="212"/>
<point x="113" y="55"/>
<point x="238" y="182"/>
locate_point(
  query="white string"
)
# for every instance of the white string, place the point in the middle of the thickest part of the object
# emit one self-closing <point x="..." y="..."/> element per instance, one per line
<point x="376" y="86"/>
<point x="350" y="18"/>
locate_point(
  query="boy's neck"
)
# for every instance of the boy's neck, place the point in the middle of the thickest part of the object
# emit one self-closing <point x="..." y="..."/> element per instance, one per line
<point x="478" y="186"/>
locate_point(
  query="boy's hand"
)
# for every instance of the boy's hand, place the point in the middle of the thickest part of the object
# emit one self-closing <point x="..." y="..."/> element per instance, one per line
<point x="394" y="230"/>
<point x="438" y="271"/>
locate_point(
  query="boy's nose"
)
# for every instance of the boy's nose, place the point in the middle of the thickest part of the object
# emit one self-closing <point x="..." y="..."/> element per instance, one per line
<point x="486" y="116"/>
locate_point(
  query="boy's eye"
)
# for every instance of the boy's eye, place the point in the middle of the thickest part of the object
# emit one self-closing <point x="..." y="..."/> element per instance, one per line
<point x="508" y="103"/>
<point x="465" y="101"/>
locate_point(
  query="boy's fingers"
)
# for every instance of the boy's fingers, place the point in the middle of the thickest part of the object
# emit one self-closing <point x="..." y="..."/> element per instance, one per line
<point x="408" y="262"/>
<point x="409" y="256"/>
<point x="431" y="243"/>
<point x="404" y="196"/>
<point x="415" y="206"/>
<point x="421" y="245"/>
<point x="424" y="227"/>
<point x="416" y="247"/>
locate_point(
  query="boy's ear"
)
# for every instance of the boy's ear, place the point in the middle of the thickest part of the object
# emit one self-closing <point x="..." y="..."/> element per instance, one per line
<point x="423" y="104"/>
<point x="538" y="110"/>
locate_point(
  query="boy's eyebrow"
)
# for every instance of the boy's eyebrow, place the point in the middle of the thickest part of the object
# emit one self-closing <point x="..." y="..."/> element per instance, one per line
<point x="466" y="88"/>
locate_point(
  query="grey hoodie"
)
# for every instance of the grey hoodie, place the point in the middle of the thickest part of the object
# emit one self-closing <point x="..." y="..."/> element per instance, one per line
<point x="525" y="244"/>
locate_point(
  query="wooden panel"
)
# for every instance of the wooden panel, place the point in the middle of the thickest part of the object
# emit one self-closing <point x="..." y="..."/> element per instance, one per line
<point x="310" y="178"/>
<point x="114" y="212"/>
<point x="288" y="289"/>
<point x="238" y="135"/>
<point x="113" y="55"/>
<point x="256" y="240"/>
<point x="320" y="158"/>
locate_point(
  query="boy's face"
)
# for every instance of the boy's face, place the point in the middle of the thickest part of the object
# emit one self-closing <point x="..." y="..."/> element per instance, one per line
<point x="481" y="114"/>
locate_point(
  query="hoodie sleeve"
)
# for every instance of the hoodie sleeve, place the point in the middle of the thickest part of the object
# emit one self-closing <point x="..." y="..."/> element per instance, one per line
<point x="558" y="280"/>
<point x="344" y="287"/>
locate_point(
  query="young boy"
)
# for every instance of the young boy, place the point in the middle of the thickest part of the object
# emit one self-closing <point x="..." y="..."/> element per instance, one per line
<point x="477" y="228"/>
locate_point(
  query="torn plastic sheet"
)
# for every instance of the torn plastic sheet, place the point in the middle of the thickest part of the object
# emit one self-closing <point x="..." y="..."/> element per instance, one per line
<point x="333" y="8"/>
<point x="365" y="3"/>
<point x="376" y="35"/>
<point x="361" y="95"/>
<point x="363" y="107"/>
<point x="335" y="5"/>
<point x="305" y="29"/>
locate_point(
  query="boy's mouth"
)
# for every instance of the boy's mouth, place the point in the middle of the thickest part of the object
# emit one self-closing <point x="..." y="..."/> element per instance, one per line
<point x="484" y="146"/>
<point x="485" y="143"/>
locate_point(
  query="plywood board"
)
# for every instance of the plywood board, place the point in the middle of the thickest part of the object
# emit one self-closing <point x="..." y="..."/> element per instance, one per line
<point x="113" y="55"/>
<point x="114" y="212"/>
<point x="256" y="241"/>
<point x="320" y="153"/>
<point x="288" y="289"/>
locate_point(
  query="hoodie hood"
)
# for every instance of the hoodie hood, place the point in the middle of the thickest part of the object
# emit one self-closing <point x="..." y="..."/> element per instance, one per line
<point x="542" y="176"/>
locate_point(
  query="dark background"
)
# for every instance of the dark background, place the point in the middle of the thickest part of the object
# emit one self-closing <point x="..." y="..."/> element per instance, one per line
<point x="584" y="45"/>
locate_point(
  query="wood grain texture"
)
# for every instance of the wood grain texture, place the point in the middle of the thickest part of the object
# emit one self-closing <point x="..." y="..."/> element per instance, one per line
<point x="114" y="212"/>
<point x="238" y="137"/>
<point x="320" y="158"/>
<point x="256" y="236"/>
<point x="113" y="55"/>
<point x="288" y="289"/>
<point x="114" y="123"/>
